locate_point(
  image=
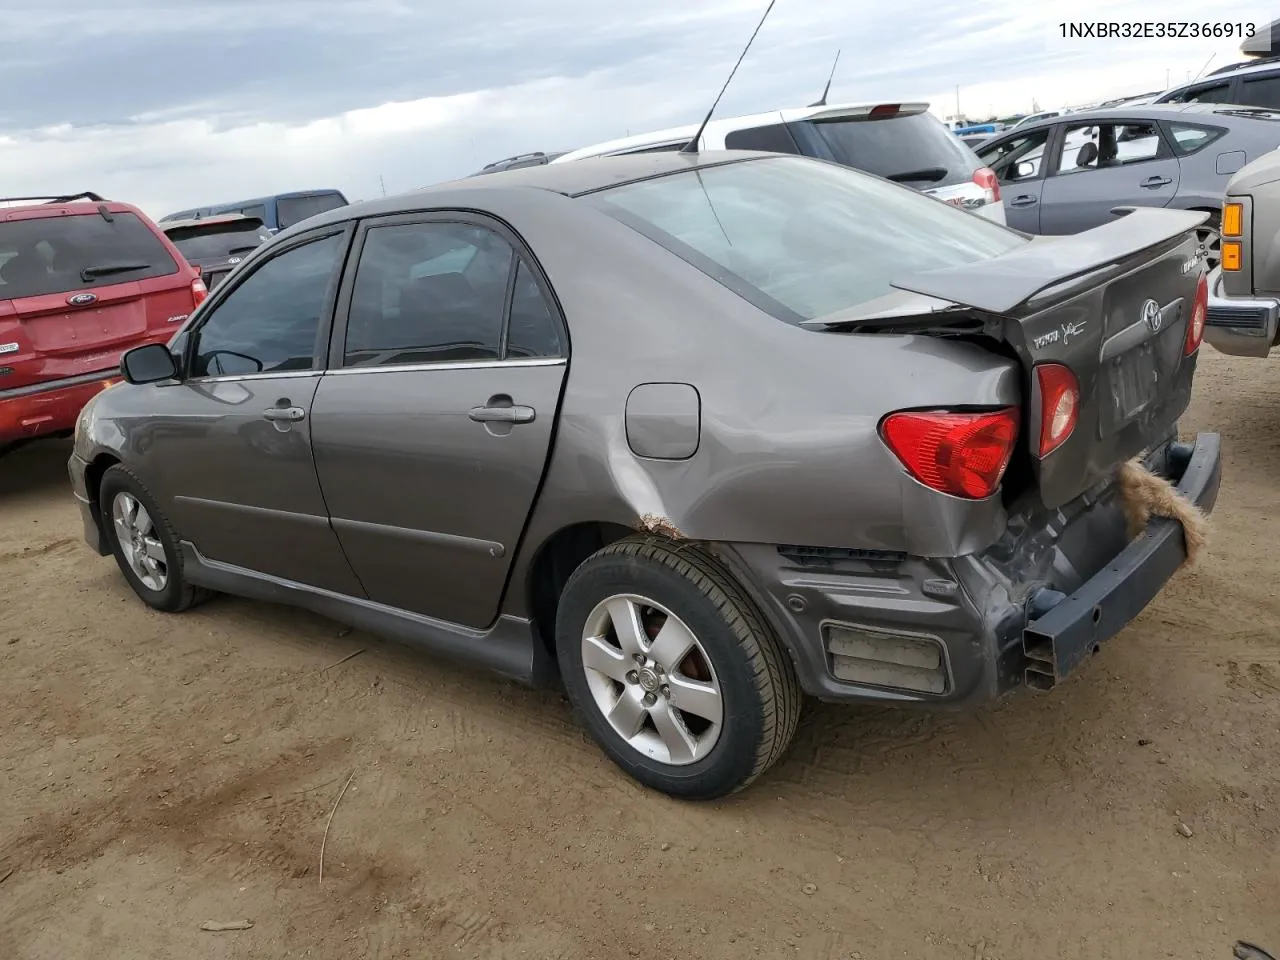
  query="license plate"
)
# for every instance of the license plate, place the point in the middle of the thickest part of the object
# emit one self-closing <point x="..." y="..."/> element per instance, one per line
<point x="1135" y="382"/>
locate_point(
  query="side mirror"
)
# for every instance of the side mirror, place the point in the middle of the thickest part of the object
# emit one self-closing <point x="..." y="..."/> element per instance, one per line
<point x="149" y="364"/>
<point x="1024" y="169"/>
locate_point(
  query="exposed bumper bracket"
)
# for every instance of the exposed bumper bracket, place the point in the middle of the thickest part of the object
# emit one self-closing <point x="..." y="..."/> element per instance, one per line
<point x="1057" y="640"/>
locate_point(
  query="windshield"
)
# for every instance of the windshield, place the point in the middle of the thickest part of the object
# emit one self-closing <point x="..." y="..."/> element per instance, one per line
<point x="915" y="143"/>
<point x="799" y="238"/>
<point x="68" y="254"/>
<point x="214" y="241"/>
<point x="291" y="210"/>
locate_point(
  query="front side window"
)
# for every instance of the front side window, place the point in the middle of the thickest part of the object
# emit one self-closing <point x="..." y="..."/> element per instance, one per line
<point x="799" y="238"/>
<point x="270" y="321"/>
<point x="1019" y="159"/>
<point x="1214" y="93"/>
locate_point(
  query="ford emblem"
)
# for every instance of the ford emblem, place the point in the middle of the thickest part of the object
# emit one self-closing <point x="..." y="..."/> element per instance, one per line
<point x="82" y="299"/>
<point x="1151" y="315"/>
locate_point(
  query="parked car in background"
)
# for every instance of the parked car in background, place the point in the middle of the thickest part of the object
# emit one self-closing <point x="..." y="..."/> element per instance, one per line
<point x="698" y="432"/>
<point x="1036" y="117"/>
<point x="278" y="211"/>
<point x="1250" y="83"/>
<point x="1244" y="302"/>
<point x="215" y="244"/>
<point x="82" y="279"/>
<point x="1068" y="174"/>
<point x="901" y="142"/>
<point x="536" y="159"/>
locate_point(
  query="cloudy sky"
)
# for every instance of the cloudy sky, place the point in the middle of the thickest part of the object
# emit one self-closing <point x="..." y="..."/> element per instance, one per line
<point x="172" y="103"/>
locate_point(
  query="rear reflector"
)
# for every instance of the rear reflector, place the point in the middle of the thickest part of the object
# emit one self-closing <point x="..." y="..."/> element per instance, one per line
<point x="1199" y="311"/>
<point x="961" y="454"/>
<point x="198" y="291"/>
<point x="986" y="178"/>
<point x="1232" y="255"/>
<point x="1059" y="405"/>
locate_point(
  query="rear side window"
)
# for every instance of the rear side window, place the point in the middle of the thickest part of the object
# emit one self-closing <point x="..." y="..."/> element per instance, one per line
<point x="798" y="238"/>
<point x="50" y="255"/>
<point x="1260" y="92"/>
<point x="773" y="137"/>
<point x="217" y="240"/>
<point x="291" y="210"/>
<point x="1214" y="93"/>
<point x="913" y="149"/>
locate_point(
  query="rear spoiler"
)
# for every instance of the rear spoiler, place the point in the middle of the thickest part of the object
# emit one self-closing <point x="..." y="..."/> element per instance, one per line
<point x="67" y="199"/>
<point x="1003" y="283"/>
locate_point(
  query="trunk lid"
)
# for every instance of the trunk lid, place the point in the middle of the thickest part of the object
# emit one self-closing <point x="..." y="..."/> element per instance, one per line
<point x="1111" y="304"/>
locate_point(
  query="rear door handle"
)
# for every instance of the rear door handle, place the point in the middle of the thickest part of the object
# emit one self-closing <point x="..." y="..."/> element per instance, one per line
<point x="1025" y="200"/>
<point x="1152" y="182"/>
<point x="512" y="414"/>
<point x="291" y="414"/>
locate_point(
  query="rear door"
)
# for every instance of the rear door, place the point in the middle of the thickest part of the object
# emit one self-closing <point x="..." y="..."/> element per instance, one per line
<point x="433" y="428"/>
<point x="76" y="289"/>
<point x="1100" y="166"/>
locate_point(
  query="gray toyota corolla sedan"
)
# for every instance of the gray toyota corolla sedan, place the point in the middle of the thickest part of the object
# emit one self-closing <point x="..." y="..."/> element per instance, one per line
<point x="694" y="434"/>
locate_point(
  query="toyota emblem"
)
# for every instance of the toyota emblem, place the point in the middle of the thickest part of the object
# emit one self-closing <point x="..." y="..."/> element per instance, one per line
<point x="1151" y="315"/>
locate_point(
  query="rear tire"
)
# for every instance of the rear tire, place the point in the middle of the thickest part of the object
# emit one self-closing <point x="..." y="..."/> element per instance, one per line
<point x="693" y="695"/>
<point x="143" y="543"/>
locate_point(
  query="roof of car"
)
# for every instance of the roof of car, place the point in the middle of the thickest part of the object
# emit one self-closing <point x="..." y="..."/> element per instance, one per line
<point x="568" y="179"/>
<point x="1142" y="111"/>
<point x="785" y="115"/>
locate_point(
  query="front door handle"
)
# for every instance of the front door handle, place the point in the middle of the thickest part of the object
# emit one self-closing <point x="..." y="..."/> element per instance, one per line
<point x="1153" y="182"/>
<point x="1026" y="200"/>
<point x="512" y="414"/>
<point x="291" y="414"/>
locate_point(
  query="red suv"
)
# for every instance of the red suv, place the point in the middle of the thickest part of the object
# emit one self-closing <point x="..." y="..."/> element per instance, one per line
<point x="82" y="279"/>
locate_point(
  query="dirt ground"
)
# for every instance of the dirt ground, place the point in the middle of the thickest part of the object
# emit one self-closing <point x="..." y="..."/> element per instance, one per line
<point x="159" y="772"/>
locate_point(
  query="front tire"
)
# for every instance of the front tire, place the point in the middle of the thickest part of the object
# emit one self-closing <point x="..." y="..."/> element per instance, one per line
<point x="673" y="671"/>
<point x="143" y="543"/>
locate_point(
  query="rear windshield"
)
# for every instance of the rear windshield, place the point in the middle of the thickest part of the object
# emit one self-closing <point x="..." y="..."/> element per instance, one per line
<point x="799" y="238"/>
<point x="218" y="240"/>
<point x="914" y="149"/>
<point x="291" y="210"/>
<point x="67" y="254"/>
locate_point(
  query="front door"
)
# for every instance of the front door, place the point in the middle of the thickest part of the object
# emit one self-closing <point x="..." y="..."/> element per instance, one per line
<point x="236" y="469"/>
<point x="1019" y="163"/>
<point x="1103" y="166"/>
<point x="433" y="428"/>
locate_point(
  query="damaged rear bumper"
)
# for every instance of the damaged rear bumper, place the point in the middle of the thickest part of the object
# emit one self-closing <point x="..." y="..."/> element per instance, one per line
<point x="885" y="628"/>
<point x="1074" y="627"/>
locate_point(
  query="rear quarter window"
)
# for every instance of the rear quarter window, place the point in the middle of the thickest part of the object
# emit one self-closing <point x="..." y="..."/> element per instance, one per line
<point x="798" y="238"/>
<point x="68" y="254"/>
<point x="1188" y="138"/>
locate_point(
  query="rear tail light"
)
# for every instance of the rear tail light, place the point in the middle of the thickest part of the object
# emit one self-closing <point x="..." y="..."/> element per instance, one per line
<point x="198" y="291"/>
<point x="1199" y="309"/>
<point x="961" y="454"/>
<point x="986" y="178"/>
<point x="1059" y="405"/>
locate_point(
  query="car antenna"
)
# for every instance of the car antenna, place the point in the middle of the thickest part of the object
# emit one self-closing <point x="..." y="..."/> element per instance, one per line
<point x="822" y="101"/>
<point x="692" y="145"/>
<point x="1204" y="68"/>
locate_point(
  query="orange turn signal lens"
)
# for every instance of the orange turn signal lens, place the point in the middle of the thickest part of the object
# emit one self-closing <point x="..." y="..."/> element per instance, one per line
<point x="1233" y="219"/>
<point x="1231" y="255"/>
